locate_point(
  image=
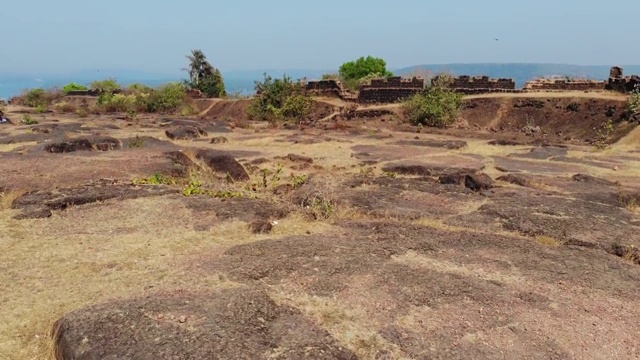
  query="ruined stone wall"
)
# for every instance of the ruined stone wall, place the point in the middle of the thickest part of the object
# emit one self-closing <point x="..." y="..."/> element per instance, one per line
<point x="468" y="91"/>
<point x="480" y="82"/>
<point x="89" y="92"/>
<point x="618" y="82"/>
<point x="564" y="85"/>
<point x="325" y="88"/>
<point x="395" y="82"/>
<point x="390" y="90"/>
<point x="625" y="84"/>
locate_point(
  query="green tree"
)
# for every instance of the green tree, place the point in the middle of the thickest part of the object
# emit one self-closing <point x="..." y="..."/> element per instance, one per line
<point x="203" y="76"/>
<point x="362" y="67"/>
<point x="438" y="106"/>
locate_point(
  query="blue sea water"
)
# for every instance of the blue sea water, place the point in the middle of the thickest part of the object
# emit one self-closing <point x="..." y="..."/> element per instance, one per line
<point x="16" y="85"/>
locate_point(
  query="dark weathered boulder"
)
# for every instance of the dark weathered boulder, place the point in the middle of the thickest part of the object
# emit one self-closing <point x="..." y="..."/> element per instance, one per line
<point x="69" y="146"/>
<point x="514" y="179"/>
<point x="219" y="140"/>
<point x="225" y="324"/>
<point x="472" y="181"/>
<point x="261" y="227"/>
<point x="100" y="143"/>
<point x="185" y="132"/>
<point x="223" y="163"/>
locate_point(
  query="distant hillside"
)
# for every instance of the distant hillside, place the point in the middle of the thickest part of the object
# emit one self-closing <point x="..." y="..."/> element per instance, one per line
<point x="520" y="72"/>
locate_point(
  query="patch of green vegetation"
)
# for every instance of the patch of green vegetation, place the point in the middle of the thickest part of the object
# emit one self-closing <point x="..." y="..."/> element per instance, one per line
<point x="330" y="76"/>
<point x="65" y="107"/>
<point x="136" y="142"/>
<point x="188" y="110"/>
<point x="194" y="187"/>
<point x="437" y="106"/>
<point x="41" y="109"/>
<point x="105" y="86"/>
<point x="82" y="113"/>
<point x="138" y="88"/>
<point x="321" y="207"/>
<point x="633" y="104"/>
<point x="391" y="174"/>
<point x="73" y="87"/>
<point x="111" y="103"/>
<point x="28" y="120"/>
<point x="279" y="99"/>
<point x="132" y="115"/>
<point x="203" y="76"/>
<point x="35" y="97"/>
<point x="167" y="98"/>
<point x="604" y="134"/>
<point x="299" y="180"/>
<point x="156" y="179"/>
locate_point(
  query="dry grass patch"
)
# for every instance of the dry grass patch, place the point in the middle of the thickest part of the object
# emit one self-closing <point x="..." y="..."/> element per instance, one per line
<point x="11" y="147"/>
<point x="415" y="260"/>
<point x="345" y="322"/>
<point x="299" y="224"/>
<point x="8" y="197"/>
<point x="549" y="241"/>
<point x="94" y="253"/>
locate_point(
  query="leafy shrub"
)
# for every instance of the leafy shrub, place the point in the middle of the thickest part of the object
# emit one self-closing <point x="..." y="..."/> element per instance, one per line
<point x="363" y="67"/>
<point x="65" y="107"/>
<point x="633" y="104"/>
<point x="296" y="107"/>
<point x="105" y="86"/>
<point x="188" y="110"/>
<point x="168" y="98"/>
<point x="111" y="103"/>
<point x="138" y="88"/>
<point x="83" y="113"/>
<point x="279" y="98"/>
<point x="330" y="77"/>
<point x="41" y="109"/>
<point x="35" y="97"/>
<point x="438" y="106"/>
<point x="73" y="87"/>
<point x="28" y="120"/>
<point x="40" y="97"/>
<point x="137" y="142"/>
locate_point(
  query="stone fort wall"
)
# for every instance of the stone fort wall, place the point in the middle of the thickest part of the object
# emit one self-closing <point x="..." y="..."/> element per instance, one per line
<point x="564" y="85"/>
<point x="390" y="90"/>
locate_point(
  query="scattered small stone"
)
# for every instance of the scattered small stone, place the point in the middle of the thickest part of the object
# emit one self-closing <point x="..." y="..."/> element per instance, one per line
<point x="182" y="319"/>
<point x="219" y="140"/>
<point x="299" y="159"/>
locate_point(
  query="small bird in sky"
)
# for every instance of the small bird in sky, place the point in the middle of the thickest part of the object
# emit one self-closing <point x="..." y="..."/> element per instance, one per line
<point x="496" y="39"/>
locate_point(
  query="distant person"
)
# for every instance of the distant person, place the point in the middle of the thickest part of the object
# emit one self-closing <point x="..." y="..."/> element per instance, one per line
<point x="2" y="118"/>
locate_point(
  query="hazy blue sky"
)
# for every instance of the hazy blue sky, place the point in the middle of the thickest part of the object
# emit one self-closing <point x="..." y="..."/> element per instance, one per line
<point x="66" y="35"/>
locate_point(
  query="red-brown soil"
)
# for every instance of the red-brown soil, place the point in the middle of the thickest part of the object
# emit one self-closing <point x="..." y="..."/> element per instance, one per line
<point x="340" y="239"/>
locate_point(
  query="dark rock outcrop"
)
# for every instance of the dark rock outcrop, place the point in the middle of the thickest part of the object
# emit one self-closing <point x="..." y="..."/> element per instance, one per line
<point x="184" y="132"/>
<point x="472" y="181"/>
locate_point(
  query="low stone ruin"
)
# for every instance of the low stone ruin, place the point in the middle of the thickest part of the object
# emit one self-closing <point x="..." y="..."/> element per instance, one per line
<point x="564" y="84"/>
<point x="390" y="90"/>
<point x="480" y="84"/>
<point x="618" y="82"/>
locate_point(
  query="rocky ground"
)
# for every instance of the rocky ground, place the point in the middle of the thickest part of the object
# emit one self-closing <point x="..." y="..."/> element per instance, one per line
<point x="169" y="238"/>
